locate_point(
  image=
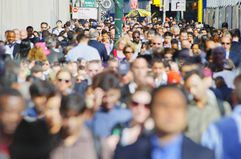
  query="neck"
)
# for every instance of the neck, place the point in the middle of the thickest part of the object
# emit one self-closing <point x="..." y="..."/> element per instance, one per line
<point x="167" y="137"/>
<point x="201" y="103"/>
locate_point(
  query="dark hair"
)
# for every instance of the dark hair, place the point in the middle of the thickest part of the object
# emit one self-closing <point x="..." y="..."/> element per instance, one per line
<point x="9" y="92"/>
<point x="168" y="34"/>
<point x="72" y="103"/>
<point x="224" y="25"/>
<point x="128" y="46"/>
<point x="44" y="23"/>
<point x="42" y="88"/>
<point x="25" y="46"/>
<point x="81" y="37"/>
<point x="29" y="27"/>
<point x="107" y="80"/>
<point x="237" y="90"/>
<point x="165" y="87"/>
<point x="193" y="72"/>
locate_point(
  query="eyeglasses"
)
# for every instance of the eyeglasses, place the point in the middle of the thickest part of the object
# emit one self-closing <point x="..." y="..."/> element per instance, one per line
<point x="156" y="43"/>
<point x="223" y="43"/>
<point x="63" y="80"/>
<point x="135" y="104"/>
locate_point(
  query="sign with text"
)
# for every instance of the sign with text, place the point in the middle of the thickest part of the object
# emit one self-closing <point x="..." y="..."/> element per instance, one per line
<point x="178" y="5"/>
<point x="84" y="13"/>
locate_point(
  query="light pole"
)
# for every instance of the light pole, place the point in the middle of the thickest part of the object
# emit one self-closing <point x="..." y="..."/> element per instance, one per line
<point x="119" y="14"/>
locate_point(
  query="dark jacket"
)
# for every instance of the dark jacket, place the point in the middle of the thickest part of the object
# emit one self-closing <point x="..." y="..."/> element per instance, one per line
<point x="141" y="149"/>
<point x="235" y="53"/>
<point x="101" y="49"/>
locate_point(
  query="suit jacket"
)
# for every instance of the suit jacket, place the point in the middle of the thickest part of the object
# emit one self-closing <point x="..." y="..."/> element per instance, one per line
<point x="235" y="53"/>
<point x="142" y="149"/>
<point x="101" y="49"/>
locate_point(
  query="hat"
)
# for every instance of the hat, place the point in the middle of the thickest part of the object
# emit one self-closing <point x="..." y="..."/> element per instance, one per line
<point x="124" y="68"/>
<point x="173" y="77"/>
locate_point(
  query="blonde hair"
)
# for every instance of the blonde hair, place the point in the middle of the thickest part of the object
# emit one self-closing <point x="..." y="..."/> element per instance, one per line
<point x="37" y="54"/>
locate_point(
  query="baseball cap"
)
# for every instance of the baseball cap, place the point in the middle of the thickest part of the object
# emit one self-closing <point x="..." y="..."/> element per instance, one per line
<point x="173" y="77"/>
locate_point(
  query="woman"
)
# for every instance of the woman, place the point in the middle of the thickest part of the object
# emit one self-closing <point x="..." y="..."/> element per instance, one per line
<point x="64" y="81"/>
<point x="128" y="133"/>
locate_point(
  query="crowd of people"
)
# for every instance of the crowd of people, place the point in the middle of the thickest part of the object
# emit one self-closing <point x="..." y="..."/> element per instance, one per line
<point x="167" y="90"/>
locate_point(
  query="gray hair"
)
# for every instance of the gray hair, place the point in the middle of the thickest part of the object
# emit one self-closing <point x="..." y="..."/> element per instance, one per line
<point x="93" y="33"/>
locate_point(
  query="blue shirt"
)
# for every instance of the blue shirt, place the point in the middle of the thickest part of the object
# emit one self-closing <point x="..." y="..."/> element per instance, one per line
<point x="171" y="150"/>
<point x="104" y="121"/>
<point x="224" y="136"/>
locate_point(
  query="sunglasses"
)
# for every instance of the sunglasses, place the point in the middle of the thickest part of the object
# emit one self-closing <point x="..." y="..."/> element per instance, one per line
<point x="225" y="43"/>
<point x="135" y="104"/>
<point x="156" y="43"/>
<point x="63" y="80"/>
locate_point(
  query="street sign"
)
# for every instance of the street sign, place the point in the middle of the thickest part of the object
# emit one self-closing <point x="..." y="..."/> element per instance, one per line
<point x="178" y="5"/>
<point x="85" y="13"/>
<point x="89" y="3"/>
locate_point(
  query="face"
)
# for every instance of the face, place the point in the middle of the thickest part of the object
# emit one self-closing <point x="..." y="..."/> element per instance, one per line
<point x="23" y="34"/>
<point x="71" y="125"/>
<point x="195" y="86"/>
<point x="156" y="43"/>
<point x="183" y="36"/>
<point x="52" y="113"/>
<point x="195" y="49"/>
<point x="158" y="68"/>
<point x="167" y="39"/>
<point x="17" y="34"/>
<point x="169" y="115"/>
<point x="93" y="69"/>
<point x="190" y="38"/>
<point x="121" y="45"/>
<point x="136" y="38"/>
<point x="110" y="98"/>
<point x="59" y="24"/>
<point x="113" y="65"/>
<point x="44" y="27"/>
<point x="128" y="53"/>
<point x="226" y="43"/>
<point x="186" y="44"/>
<point x="63" y="81"/>
<point x="140" y="106"/>
<point x="11" y="37"/>
<point x="30" y="32"/>
<point x="11" y="114"/>
<point x="139" y="69"/>
<point x="45" y="66"/>
<point x="105" y="37"/>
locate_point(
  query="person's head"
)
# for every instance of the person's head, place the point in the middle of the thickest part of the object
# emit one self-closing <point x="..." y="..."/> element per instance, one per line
<point x="183" y="35"/>
<point x="37" y="54"/>
<point x="158" y="67"/>
<point x="82" y="38"/>
<point x="12" y="105"/>
<point x="37" y="71"/>
<point x="128" y="51"/>
<point x="220" y="82"/>
<point x="226" y="42"/>
<point x="52" y="113"/>
<point x="236" y="34"/>
<point x="237" y="89"/>
<point x="11" y="36"/>
<point x="44" y="26"/>
<point x="105" y="35"/>
<point x="93" y="34"/>
<point x="59" y="24"/>
<point x="121" y="43"/>
<point x="40" y="92"/>
<point x="175" y="30"/>
<point x="168" y="37"/>
<point x="93" y="68"/>
<point x="195" y="85"/>
<point x="30" y="31"/>
<point x="17" y="34"/>
<point x="23" y="34"/>
<point x="136" y="36"/>
<point x="73" y="108"/>
<point x="139" y="68"/>
<point x="140" y="105"/>
<point x="113" y="64"/>
<point x="174" y="44"/>
<point x="190" y="37"/>
<point x="225" y="25"/>
<point x="109" y="83"/>
<point x="195" y="49"/>
<point x="218" y="57"/>
<point x="169" y="115"/>
<point x="185" y="44"/>
<point x="157" y="42"/>
<point x="64" y="81"/>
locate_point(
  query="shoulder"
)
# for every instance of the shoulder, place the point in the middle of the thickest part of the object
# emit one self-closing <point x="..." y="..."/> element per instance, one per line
<point x="191" y="148"/>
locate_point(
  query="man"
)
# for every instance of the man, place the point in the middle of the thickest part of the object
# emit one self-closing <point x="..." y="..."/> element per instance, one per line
<point x="157" y="42"/>
<point x="223" y="136"/>
<point x="59" y="28"/>
<point x="236" y="44"/>
<point x="203" y="108"/>
<point x="76" y="140"/>
<point x="226" y="42"/>
<point x="11" y="107"/>
<point x="136" y="36"/>
<point x="167" y="141"/>
<point x="98" y="45"/>
<point x="82" y="50"/>
<point x="11" y="47"/>
<point x="139" y="69"/>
